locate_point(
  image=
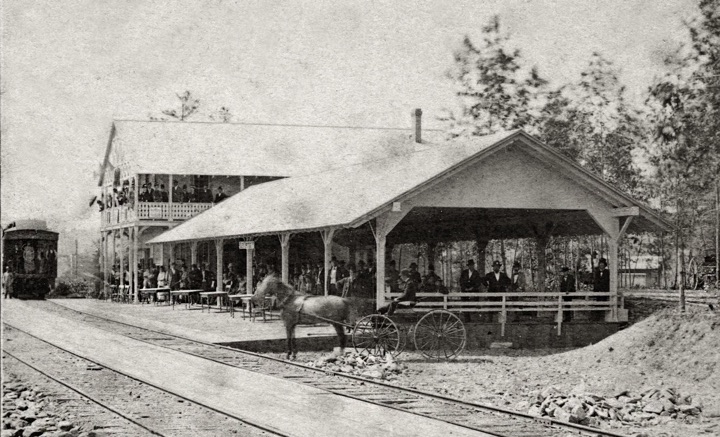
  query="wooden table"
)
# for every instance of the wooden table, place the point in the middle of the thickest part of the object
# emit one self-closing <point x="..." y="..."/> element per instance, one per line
<point x="154" y="291"/>
<point x="205" y="297"/>
<point x="246" y="303"/>
<point x="180" y="293"/>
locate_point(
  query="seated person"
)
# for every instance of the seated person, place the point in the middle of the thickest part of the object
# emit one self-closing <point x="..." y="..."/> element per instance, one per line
<point x="407" y="299"/>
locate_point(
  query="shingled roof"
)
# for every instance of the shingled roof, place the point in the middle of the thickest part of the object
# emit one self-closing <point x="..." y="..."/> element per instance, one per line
<point x="349" y="196"/>
<point x="200" y="148"/>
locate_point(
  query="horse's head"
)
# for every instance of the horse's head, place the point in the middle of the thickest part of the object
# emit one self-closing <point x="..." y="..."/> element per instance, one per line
<point x="269" y="287"/>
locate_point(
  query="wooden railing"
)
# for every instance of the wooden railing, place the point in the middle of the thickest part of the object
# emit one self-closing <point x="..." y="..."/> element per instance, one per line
<point x="152" y="211"/>
<point x="504" y="303"/>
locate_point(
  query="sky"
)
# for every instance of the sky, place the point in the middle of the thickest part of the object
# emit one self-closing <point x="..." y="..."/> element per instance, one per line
<point x="70" y="67"/>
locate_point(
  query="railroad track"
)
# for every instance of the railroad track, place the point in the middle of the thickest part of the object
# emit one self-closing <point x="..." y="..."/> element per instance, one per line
<point x="125" y="405"/>
<point x="483" y="418"/>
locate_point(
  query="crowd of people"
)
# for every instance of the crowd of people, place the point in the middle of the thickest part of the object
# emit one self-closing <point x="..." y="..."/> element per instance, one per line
<point x="125" y="195"/>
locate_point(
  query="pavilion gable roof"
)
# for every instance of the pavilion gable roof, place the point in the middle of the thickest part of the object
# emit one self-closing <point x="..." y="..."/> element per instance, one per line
<point x="351" y="195"/>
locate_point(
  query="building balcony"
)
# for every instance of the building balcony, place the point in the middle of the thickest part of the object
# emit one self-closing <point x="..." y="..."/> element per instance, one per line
<point x="152" y="211"/>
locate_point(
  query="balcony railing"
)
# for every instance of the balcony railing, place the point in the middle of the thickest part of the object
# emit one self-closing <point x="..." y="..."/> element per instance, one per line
<point x="152" y="211"/>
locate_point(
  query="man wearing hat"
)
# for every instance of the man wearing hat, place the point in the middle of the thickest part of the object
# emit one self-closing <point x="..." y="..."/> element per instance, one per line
<point x="414" y="274"/>
<point x="517" y="281"/>
<point x="601" y="280"/>
<point x="497" y="281"/>
<point x="567" y="285"/>
<point x="470" y="279"/>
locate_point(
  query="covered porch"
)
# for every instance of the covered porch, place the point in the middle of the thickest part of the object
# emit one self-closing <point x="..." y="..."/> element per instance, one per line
<point x="502" y="186"/>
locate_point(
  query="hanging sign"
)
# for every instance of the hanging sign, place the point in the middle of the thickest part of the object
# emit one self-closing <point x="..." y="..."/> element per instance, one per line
<point x="247" y="245"/>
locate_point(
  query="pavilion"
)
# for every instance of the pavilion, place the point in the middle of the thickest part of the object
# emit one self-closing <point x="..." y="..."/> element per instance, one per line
<point x="505" y="185"/>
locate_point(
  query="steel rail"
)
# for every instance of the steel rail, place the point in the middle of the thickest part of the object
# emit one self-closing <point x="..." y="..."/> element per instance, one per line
<point x="141" y="380"/>
<point x="491" y="408"/>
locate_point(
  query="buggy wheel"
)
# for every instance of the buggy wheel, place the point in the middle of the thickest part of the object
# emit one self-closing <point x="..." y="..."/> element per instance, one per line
<point x="440" y="334"/>
<point x="376" y="334"/>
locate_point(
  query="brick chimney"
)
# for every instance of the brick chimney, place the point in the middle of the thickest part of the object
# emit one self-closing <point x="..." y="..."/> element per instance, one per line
<point x="417" y="124"/>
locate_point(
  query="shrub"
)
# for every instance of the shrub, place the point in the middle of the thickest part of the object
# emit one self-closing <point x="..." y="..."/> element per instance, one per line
<point x="74" y="287"/>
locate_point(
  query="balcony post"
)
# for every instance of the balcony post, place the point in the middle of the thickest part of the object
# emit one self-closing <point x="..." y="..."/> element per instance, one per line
<point x="170" y="198"/>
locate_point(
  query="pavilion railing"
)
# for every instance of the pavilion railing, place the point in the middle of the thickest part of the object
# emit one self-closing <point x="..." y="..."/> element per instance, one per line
<point x="152" y="211"/>
<point x="516" y="302"/>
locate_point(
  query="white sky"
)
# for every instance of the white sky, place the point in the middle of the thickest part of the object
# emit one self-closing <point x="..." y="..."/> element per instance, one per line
<point x="70" y="67"/>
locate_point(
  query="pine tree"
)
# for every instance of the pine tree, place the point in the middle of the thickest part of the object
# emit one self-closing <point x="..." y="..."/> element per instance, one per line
<point x="496" y="92"/>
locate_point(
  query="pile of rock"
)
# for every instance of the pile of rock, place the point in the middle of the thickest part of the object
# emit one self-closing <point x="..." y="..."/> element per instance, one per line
<point x="25" y="415"/>
<point x="650" y="407"/>
<point x="361" y="364"/>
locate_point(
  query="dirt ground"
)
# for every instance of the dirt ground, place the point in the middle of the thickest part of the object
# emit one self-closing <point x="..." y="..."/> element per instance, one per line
<point x="665" y="350"/>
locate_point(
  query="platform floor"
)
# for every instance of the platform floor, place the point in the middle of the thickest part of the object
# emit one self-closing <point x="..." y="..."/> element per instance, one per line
<point x="210" y="327"/>
<point x="275" y="403"/>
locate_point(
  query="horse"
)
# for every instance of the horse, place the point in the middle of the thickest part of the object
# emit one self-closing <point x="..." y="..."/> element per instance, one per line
<point x="299" y="308"/>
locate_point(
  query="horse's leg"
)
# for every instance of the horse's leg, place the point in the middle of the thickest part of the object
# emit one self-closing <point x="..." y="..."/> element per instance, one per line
<point x="340" y="329"/>
<point x="294" y="343"/>
<point x="290" y="332"/>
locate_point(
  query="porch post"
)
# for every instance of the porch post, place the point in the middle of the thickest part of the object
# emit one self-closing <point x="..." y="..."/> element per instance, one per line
<point x="383" y="225"/>
<point x="193" y="252"/>
<point x="250" y="253"/>
<point x="327" y="237"/>
<point x="380" y="242"/>
<point x="113" y="251"/>
<point x="105" y="245"/>
<point x="135" y="265"/>
<point x="219" y="264"/>
<point x="122" y="261"/>
<point x="613" y="265"/>
<point x="171" y="254"/>
<point x="285" y="256"/>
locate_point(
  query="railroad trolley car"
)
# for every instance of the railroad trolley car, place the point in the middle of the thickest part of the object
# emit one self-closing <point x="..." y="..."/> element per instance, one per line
<point x="30" y="252"/>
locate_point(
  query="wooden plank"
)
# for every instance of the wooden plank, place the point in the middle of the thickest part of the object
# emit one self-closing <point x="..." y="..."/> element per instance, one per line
<point x="625" y="212"/>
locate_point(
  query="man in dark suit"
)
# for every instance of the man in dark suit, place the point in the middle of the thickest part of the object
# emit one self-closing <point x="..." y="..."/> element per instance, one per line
<point x="601" y="281"/>
<point x="567" y="285"/>
<point x="470" y="279"/>
<point x="319" y="279"/>
<point x="470" y="282"/>
<point x="414" y="274"/>
<point x="208" y="278"/>
<point x="220" y="196"/>
<point x="177" y="193"/>
<point x="497" y="281"/>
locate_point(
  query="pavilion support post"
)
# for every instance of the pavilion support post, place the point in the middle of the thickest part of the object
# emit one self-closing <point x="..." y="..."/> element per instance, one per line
<point x="431" y="246"/>
<point x="249" y="269"/>
<point x="482" y="242"/>
<point x="193" y="252"/>
<point x="136" y="291"/>
<point x="542" y="237"/>
<point x="384" y="223"/>
<point x="285" y="256"/>
<point x="609" y="221"/>
<point x="380" y="242"/>
<point x="327" y="237"/>
<point x="219" y="264"/>
<point x="171" y="254"/>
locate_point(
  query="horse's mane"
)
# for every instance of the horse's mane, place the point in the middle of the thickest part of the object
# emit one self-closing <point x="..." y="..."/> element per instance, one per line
<point x="275" y="286"/>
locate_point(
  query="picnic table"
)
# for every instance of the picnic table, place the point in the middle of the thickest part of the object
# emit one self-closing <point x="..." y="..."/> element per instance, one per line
<point x="120" y="293"/>
<point x="181" y="293"/>
<point x="205" y="297"/>
<point x="246" y="303"/>
<point x="146" y="292"/>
